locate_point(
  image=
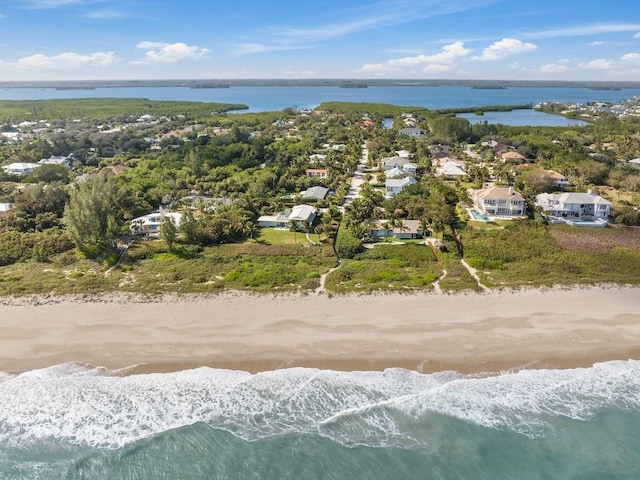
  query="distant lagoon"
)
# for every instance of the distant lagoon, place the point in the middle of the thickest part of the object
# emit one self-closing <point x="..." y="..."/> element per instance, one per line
<point x="525" y="117"/>
<point x="276" y="98"/>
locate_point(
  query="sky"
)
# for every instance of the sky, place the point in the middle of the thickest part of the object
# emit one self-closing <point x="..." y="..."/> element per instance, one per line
<point x="277" y="39"/>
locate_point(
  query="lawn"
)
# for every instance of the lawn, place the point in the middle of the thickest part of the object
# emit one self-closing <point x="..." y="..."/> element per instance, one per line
<point x="274" y="236"/>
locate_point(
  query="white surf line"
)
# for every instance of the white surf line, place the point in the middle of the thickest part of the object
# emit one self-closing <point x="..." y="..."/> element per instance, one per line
<point x="473" y="273"/>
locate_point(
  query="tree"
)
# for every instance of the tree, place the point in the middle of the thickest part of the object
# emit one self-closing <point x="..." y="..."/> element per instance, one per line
<point x="89" y="217"/>
<point x="168" y="231"/>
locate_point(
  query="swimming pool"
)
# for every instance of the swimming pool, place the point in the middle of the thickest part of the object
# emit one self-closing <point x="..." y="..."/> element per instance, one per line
<point x="478" y="216"/>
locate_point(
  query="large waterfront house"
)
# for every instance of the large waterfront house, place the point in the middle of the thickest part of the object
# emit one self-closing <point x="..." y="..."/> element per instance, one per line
<point x="150" y="224"/>
<point x="298" y="214"/>
<point x="503" y="202"/>
<point x="575" y="208"/>
<point x="393" y="186"/>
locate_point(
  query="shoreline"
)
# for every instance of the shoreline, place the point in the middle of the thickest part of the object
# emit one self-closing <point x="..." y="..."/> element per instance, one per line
<point x="467" y="332"/>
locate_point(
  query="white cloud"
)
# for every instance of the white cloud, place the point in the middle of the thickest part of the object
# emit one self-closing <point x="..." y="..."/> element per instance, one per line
<point x="158" y="52"/>
<point x="597" y="43"/>
<point x="66" y="59"/>
<point x="441" y="61"/>
<point x="583" y="30"/>
<point x="631" y="57"/>
<point x="637" y="35"/>
<point x="597" y="64"/>
<point x="553" y="68"/>
<point x="505" y="48"/>
<point x="251" y="48"/>
<point x="45" y="4"/>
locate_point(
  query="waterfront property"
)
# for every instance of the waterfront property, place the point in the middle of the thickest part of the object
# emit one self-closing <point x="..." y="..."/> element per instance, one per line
<point x="502" y="202"/>
<point x="410" y="229"/>
<point x="298" y="215"/>
<point x="575" y="208"/>
<point x="150" y="224"/>
<point x="56" y="160"/>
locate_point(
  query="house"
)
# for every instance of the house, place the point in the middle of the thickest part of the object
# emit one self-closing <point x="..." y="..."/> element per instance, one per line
<point x="451" y="169"/>
<point x="558" y="179"/>
<point x="388" y="163"/>
<point x="317" y="172"/>
<point x="314" y="193"/>
<point x="410" y="229"/>
<point x="150" y="224"/>
<point x="635" y="162"/>
<point x="20" y="168"/>
<point x="575" y="208"/>
<point x="56" y="160"/>
<point x="298" y="214"/>
<point x="5" y="207"/>
<point x="404" y="153"/>
<point x="502" y="202"/>
<point x="411" y="132"/>
<point x="396" y="172"/>
<point x="513" y="157"/>
<point x="393" y="186"/>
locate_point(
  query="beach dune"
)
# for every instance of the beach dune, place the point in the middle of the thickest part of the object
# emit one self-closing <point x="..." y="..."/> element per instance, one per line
<point x="554" y="328"/>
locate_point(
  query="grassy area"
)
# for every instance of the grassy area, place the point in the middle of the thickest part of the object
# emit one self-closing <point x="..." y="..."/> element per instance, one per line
<point x="149" y="268"/>
<point x="387" y="268"/>
<point x="527" y="253"/>
<point x="272" y="236"/>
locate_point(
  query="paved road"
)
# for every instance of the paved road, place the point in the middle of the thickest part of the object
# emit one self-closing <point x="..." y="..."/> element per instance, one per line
<point x="358" y="178"/>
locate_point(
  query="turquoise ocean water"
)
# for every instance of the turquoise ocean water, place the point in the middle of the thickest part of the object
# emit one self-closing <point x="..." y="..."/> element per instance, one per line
<point x="78" y="422"/>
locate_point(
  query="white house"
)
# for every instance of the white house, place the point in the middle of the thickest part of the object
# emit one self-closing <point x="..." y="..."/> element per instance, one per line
<point x="56" y="160"/>
<point x="502" y="202"/>
<point x="575" y="208"/>
<point x="388" y="163"/>
<point x="20" y="168"/>
<point x="411" y="132"/>
<point x="150" y="224"/>
<point x="393" y="186"/>
<point x="451" y="169"/>
<point x="298" y="214"/>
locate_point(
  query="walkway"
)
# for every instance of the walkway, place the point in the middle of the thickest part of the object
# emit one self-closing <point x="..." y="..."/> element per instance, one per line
<point x="474" y="274"/>
<point x="323" y="278"/>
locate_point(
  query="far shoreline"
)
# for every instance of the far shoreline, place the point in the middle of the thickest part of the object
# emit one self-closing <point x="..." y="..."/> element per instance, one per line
<point x="426" y="332"/>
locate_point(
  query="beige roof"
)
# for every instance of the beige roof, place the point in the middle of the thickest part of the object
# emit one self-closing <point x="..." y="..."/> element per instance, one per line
<point x="496" y="193"/>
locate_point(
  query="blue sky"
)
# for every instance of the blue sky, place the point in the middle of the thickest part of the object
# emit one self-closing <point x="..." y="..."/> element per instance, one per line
<point x="426" y="39"/>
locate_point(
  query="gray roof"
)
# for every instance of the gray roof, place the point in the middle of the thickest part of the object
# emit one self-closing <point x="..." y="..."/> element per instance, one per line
<point x="315" y="192"/>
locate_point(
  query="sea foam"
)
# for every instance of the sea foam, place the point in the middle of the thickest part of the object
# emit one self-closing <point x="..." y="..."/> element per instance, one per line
<point x="83" y="405"/>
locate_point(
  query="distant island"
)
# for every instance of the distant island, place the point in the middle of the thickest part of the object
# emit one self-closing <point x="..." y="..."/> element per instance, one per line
<point x="489" y="87"/>
<point x="210" y="85"/>
<point x="349" y="83"/>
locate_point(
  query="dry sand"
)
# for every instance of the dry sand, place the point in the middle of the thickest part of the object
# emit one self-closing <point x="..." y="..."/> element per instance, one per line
<point x="427" y="332"/>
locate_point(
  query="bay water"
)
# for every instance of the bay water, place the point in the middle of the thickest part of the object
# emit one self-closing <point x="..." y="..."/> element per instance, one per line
<point x="74" y="421"/>
<point x="276" y="98"/>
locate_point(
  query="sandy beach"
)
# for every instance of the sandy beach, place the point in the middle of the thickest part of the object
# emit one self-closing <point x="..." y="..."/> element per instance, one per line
<point x="555" y="328"/>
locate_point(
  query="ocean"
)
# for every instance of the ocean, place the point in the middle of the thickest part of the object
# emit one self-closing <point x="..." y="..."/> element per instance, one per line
<point x="74" y="421"/>
<point x="263" y="98"/>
